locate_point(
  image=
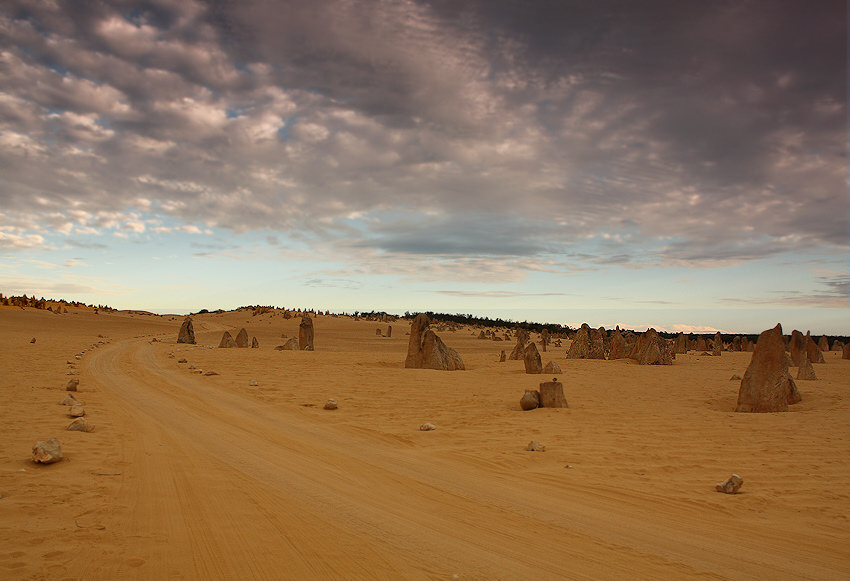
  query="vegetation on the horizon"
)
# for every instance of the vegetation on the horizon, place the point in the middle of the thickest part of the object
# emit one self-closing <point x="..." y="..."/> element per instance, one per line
<point x="42" y="303"/>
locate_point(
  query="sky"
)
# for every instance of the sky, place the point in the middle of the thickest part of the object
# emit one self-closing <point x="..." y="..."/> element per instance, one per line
<point x="660" y="163"/>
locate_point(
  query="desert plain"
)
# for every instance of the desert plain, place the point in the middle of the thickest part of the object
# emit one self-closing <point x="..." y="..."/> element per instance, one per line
<point x="244" y="475"/>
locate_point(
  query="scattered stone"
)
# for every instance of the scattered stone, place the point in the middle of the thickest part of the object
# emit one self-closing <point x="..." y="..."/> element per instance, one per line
<point x="33" y="340"/>
<point x="77" y="411"/>
<point x="502" y="356"/>
<point x="535" y="446"/>
<point x="552" y="394"/>
<point x="552" y="368"/>
<point x="242" y="338"/>
<point x="254" y="343"/>
<point x="735" y="377"/>
<point x="80" y="425"/>
<point x="184" y="360"/>
<point x="187" y="332"/>
<point x="227" y="341"/>
<point x="47" y="452"/>
<point x="425" y="350"/>
<point x="331" y="404"/>
<point x="209" y="373"/>
<point x="427" y="427"/>
<point x="530" y="400"/>
<point x="767" y="386"/>
<point x="531" y="358"/>
<point x="731" y="485"/>
<point x="253" y="383"/>
<point x="72" y="384"/>
<point x="305" y="333"/>
<point x="70" y="400"/>
<point x="806" y="371"/>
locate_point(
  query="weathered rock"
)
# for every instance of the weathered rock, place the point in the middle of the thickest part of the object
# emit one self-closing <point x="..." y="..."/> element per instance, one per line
<point x="838" y="346"/>
<point x="618" y="345"/>
<point x="502" y="356"/>
<point x="552" y="368"/>
<point x="425" y="350"/>
<point x="519" y="348"/>
<point x="305" y="333"/>
<point x="80" y="425"/>
<point x="813" y="352"/>
<point x="845" y="353"/>
<point x="187" y="332"/>
<point x="717" y="346"/>
<point x="77" y="411"/>
<point x="530" y="400"/>
<point x="32" y="340"/>
<point x="552" y="394"/>
<point x="427" y="427"/>
<point x="481" y="335"/>
<point x="652" y="349"/>
<point x="806" y="371"/>
<point x="47" y="452"/>
<point x="588" y="344"/>
<point x="735" y="377"/>
<point x="253" y="383"/>
<point x="378" y="333"/>
<point x="209" y="373"/>
<point x="290" y="345"/>
<point x="331" y="404"/>
<point x="70" y="400"/>
<point x="227" y="341"/>
<point x="242" y="339"/>
<point x="531" y="358"/>
<point x="731" y="485"/>
<point x="701" y="344"/>
<point x="254" y="343"/>
<point x="72" y="384"/>
<point x="183" y="360"/>
<point x="767" y="386"/>
<point x="737" y="344"/>
<point x="389" y="331"/>
<point x="681" y="346"/>
<point x="535" y="446"/>
<point x="796" y="347"/>
<point x="823" y="344"/>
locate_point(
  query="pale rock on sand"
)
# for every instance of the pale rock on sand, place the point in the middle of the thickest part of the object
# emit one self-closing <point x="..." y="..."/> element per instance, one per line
<point x="530" y="400"/>
<point x="552" y="368"/>
<point x="305" y="333"/>
<point x="187" y="332"/>
<point x="731" y="485"/>
<point x="80" y="425"/>
<point x="47" y="452"/>
<point x="242" y="339"/>
<point x="426" y="350"/>
<point x="427" y="427"/>
<point x="767" y="386"/>
<point x="552" y="394"/>
<point x="331" y="404"/>
<point x="535" y="446"/>
<point x="253" y="383"/>
<point x="72" y="384"/>
<point x="70" y="400"/>
<point x="806" y="371"/>
<point x="77" y="411"/>
<point x="652" y="349"/>
<point x="227" y="341"/>
<point x="531" y="358"/>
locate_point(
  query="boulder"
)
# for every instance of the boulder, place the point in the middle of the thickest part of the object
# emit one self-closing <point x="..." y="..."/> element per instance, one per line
<point x="535" y="446"/>
<point x="187" y="332"/>
<point x="552" y="394"/>
<point x="531" y="358"/>
<point x="77" y="411"/>
<point x="47" y="452"/>
<point x="290" y="345"/>
<point x="806" y="371"/>
<point x="183" y="360"/>
<point x="70" y="400"/>
<point x="227" y="341"/>
<point x="242" y="339"/>
<point x="427" y="427"/>
<point x="731" y="485"/>
<point x="254" y="343"/>
<point x="552" y="368"/>
<point x="80" y="425"/>
<point x="530" y="400"/>
<point x="331" y="404"/>
<point x="305" y="333"/>
<point x="767" y="386"/>
<point x="32" y="340"/>
<point x="735" y="377"/>
<point x="797" y="348"/>
<point x="588" y="344"/>
<point x="652" y="349"/>
<point x="425" y="350"/>
<point x="72" y="384"/>
<point x="813" y="352"/>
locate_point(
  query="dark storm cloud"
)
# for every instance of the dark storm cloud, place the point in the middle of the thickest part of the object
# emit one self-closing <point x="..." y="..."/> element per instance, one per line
<point x="657" y="133"/>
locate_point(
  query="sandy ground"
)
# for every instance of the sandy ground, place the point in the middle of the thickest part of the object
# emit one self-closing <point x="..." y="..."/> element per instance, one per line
<point x="189" y="476"/>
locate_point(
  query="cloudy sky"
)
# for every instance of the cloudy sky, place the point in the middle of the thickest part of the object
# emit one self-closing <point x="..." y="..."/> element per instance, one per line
<point x="642" y="162"/>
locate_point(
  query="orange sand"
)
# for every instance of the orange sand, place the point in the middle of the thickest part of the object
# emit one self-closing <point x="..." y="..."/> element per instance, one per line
<point x="194" y="477"/>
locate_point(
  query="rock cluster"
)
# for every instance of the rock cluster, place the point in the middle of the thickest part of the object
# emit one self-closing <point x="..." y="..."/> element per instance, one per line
<point x="652" y="349"/>
<point x="425" y="350"/>
<point x="588" y="344"/>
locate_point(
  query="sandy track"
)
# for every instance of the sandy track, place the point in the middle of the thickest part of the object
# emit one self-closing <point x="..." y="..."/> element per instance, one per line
<point x="218" y="485"/>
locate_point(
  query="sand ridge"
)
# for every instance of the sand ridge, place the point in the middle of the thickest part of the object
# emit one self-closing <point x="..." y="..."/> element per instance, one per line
<point x="189" y="476"/>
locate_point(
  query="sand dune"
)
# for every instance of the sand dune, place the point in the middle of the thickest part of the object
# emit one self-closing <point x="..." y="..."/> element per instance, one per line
<point x="188" y="476"/>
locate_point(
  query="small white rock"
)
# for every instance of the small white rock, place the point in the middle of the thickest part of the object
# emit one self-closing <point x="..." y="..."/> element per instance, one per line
<point x="427" y="427"/>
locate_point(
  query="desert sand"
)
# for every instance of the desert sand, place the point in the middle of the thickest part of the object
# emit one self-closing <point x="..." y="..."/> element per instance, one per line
<point x="188" y="476"/>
